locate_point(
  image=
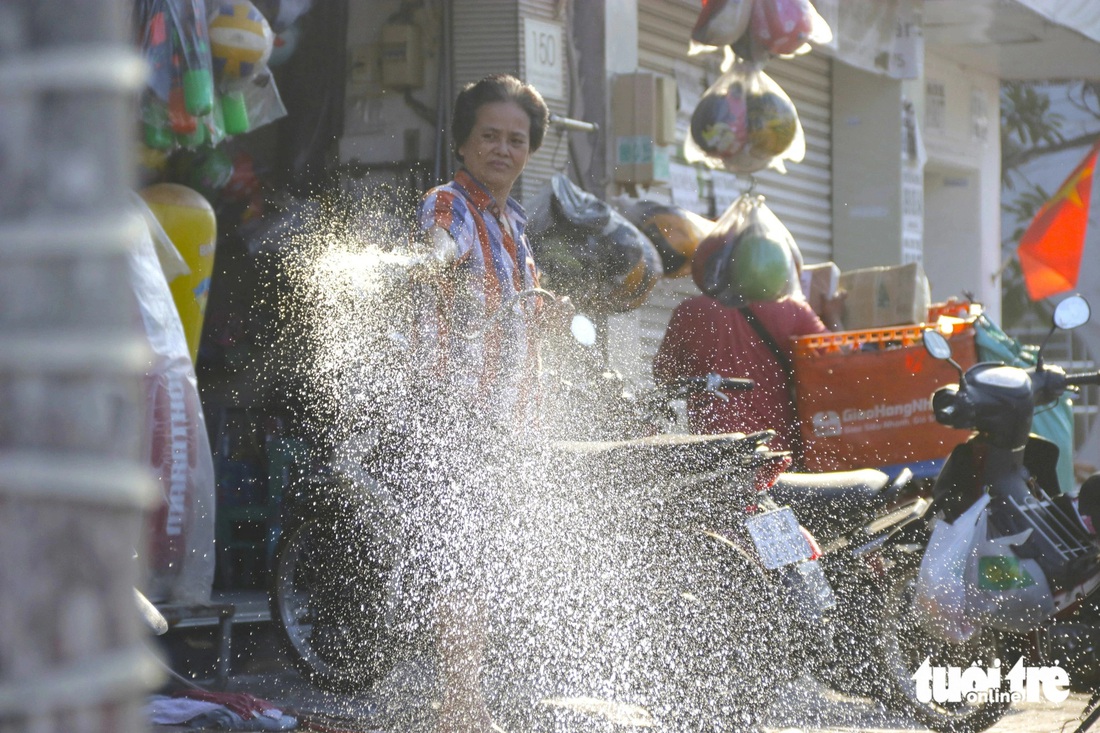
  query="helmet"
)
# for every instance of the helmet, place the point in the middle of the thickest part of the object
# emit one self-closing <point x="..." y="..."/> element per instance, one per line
<point x="674" y="231"/>
<point x="634" y="268"/>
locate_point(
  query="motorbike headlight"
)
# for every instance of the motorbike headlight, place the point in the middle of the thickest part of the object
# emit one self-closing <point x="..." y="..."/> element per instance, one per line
<point x="945" y="405"/>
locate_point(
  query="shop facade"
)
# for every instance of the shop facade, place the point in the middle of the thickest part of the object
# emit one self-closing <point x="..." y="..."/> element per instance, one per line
<point x="900" y="113"/>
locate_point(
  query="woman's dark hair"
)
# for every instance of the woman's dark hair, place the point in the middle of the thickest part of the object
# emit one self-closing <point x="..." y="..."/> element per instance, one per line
<point x="498" y="88"/>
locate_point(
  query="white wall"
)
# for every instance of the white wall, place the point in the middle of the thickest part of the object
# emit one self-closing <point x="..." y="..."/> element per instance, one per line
<point x="866" y="168"/>
<point x="379" y="126"/>
<point x="962" y="217"/>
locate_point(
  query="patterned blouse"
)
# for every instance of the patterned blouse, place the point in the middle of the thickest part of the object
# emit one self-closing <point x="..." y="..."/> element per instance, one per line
<point x="494" y="262"/>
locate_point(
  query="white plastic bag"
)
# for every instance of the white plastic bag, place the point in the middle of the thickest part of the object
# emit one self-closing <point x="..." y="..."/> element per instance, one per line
<point x="1004" y="591"/>
<point x="942" y="589"/>
<point x="180" y="551"/>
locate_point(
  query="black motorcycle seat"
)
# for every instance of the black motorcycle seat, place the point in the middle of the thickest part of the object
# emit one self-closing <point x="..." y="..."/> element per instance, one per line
<point x="830" y="504"/>
<point x="669" y="452"/>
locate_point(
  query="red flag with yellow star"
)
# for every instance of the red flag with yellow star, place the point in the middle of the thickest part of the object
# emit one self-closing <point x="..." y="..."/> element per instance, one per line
<point x="1050" y="250"/>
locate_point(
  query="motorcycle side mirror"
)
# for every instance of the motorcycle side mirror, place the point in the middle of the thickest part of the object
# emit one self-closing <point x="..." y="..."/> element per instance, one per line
<point x="583" y="330"/>
<point x="1072" y="312"/>
<point x="937" y="346"/>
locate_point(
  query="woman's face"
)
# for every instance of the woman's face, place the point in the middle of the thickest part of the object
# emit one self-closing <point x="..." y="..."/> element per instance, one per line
<point x="498" y="147"/>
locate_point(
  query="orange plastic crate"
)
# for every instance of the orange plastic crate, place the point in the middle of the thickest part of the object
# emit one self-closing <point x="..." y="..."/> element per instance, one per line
<point x="953" y="308"/>
<point x="864" y="407"/>
<point x="847" y="341"/>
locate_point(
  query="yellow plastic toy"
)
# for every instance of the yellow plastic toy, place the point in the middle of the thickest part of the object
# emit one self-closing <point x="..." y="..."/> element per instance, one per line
<point x="188" y="220"/>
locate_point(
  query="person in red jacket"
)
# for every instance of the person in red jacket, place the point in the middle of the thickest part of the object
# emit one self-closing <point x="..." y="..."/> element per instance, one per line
<point x="704" y="336"/>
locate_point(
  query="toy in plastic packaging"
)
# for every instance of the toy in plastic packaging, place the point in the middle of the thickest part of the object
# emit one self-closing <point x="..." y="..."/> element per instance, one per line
<point x="178" y="106"/>
<point x="744" y="123"/>
<point x="674" y="231"/>
<point x="241" y="43"/>
<point x="589" y="251"/>
<point x="941" y="592"/>
<point x="181" y="527"/>
<point x="748" y="256"/>
<point x="189" y="221"/>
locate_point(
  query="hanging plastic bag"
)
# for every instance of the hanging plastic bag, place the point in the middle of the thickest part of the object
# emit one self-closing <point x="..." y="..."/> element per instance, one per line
<point x="720" y="23"/>
<point x="748" y="256"/>
<point x="782" y="28"/>
<point x="178" y="107"/>
<point x="744" y="123"/>
<point x="759" y="29"/>
<point x="241" y="43"/>
<point x="1005" y="591"/>
<point x="674" y="231"/>
<point x="589" y="251"/>
<point x="941" y="592"/>
<point x="180" y="553"/>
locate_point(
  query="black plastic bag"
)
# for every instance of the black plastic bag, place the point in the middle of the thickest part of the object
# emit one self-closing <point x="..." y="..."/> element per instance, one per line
<point x="589" y="251"/>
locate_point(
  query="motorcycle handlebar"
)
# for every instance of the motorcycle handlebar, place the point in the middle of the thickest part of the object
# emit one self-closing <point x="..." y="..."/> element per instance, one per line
<point x="508" y="305"/>
<point x="1077" y="380"/>
<point x="710" y="383"/>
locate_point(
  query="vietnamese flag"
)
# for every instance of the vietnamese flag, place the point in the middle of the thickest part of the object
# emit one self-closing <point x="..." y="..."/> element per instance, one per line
<point x="1050" y="250"/>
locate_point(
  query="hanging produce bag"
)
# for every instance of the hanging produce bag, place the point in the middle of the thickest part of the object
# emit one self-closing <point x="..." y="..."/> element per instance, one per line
<point x="674" y="231"/>
<point x="744" y="123"/>
<point x="748" y="256"/>
<point x="589" y="251"/>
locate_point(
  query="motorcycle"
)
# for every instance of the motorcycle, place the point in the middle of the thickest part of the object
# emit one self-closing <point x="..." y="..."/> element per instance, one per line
<point x="1038" y="532"/>
<point x="714" y="576"/>
<point x="726" y="575"/>
<point x="868" y="528"/>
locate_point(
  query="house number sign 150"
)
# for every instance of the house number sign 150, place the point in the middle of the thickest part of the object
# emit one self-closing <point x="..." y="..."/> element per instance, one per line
<point x="543" y="54"/>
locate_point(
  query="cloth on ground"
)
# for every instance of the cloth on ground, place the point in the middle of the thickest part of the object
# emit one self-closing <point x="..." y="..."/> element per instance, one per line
<point x="225" y="711"/>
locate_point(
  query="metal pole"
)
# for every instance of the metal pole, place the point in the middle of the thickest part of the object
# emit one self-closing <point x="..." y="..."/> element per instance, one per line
<point x="72" y="486"/>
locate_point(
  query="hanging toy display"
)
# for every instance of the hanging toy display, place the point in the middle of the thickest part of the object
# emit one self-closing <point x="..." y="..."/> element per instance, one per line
<point x="748" y="256"/>
<point x="744" y="123"/>
<point x="240" y="41"/>
<point x="178" y="104"/>
<point x="241" y="44"/>
<point x="720" y="23"/>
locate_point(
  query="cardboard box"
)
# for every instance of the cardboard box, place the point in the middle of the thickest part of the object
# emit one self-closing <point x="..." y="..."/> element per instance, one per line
<point x="885" y="296"/>
<point x="864" y="398"/>
<point x="819" y="284"/>
<point x="643" y="120"/>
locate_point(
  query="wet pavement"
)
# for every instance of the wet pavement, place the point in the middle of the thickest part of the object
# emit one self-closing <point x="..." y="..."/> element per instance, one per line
<point x="403" y="703"/>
